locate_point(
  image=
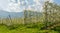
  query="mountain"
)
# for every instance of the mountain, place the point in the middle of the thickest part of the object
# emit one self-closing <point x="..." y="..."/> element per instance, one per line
<point x="5" y="14"/>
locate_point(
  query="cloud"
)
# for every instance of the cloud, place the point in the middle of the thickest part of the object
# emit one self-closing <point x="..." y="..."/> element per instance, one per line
<point x="20" y="5"/>
<point x="3" y="4"/>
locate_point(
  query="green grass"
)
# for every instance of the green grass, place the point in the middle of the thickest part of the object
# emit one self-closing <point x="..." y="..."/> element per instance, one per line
<point x="23" y="29"/>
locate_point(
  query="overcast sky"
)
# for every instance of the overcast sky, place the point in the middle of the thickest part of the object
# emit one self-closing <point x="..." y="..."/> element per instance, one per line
<point x="20" y="5"/>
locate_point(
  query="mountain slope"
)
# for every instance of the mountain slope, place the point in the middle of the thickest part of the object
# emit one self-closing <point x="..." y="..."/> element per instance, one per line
<point x="4" y="14"/>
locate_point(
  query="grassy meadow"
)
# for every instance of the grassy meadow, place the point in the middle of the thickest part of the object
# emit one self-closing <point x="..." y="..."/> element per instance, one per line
<point x="30" y="28"/>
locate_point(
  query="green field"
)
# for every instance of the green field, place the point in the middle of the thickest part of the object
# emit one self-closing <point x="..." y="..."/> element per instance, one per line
<point x="24" y="29"/>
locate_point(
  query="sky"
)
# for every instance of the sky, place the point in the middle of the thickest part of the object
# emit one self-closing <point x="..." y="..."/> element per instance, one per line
<point x="20" y="5"/>
<point x="57" y="1"/>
